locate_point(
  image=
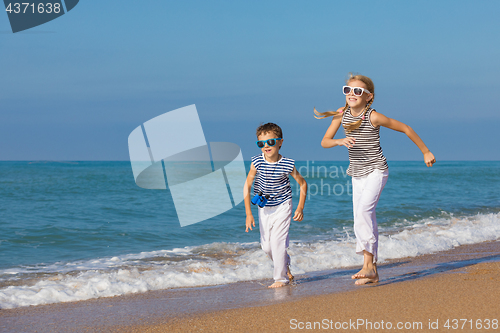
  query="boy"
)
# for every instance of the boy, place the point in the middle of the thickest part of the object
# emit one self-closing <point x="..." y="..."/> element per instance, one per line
<point x="272" y="172"/>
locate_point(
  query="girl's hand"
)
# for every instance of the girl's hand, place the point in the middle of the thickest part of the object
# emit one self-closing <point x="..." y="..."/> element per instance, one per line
<point x="429" y="159"/>
<point x="250" y="222"/>
<point x="348" y="142"/>
<point x="299" y="215"/>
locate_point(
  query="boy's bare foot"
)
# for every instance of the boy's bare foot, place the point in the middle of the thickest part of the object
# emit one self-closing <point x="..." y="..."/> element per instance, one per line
<point x="289" y="274"/>
<point x="363" y="281"/>
<point x="277" y="285"/>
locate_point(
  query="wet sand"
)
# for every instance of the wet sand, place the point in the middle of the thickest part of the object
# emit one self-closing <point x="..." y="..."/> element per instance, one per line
<point x="424" y="292"/>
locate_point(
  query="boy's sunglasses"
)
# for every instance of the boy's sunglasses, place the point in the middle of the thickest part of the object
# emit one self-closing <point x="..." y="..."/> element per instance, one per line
<point x="356" y="90"/>
<point x="270" y="142"/>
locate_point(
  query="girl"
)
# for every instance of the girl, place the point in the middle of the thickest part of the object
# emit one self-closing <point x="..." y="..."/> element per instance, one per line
<point x="367" y="164"/>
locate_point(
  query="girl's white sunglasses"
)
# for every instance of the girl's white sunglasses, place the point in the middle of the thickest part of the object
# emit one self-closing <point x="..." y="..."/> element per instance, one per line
<point x="356" y="90"/>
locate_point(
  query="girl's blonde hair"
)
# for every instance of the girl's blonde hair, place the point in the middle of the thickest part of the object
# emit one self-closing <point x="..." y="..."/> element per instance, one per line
<point x="351" y="126"/>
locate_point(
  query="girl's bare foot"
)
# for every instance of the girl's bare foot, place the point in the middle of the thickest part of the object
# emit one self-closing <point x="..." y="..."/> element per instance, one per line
<point x="277" y="285"/>
<point x="365" y="273"/>
<point x="368" y="274"/>
<point x="363" y="281"/>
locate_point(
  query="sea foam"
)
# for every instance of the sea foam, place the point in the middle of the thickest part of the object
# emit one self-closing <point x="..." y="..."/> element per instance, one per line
<point x="222" y="263"/>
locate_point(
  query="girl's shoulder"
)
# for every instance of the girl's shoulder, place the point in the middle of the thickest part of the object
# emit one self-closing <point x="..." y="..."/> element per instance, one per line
<point x="373" y="116"/>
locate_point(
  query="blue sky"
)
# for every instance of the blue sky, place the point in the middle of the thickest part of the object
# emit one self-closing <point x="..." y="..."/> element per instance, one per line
<point x="74" y="88"/>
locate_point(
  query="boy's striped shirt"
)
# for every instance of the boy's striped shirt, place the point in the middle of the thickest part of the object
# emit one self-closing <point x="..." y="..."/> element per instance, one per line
<point x="272" y="179"/>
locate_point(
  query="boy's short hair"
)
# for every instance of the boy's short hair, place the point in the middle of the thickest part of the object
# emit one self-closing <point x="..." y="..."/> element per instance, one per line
<point x="270" y="127"/>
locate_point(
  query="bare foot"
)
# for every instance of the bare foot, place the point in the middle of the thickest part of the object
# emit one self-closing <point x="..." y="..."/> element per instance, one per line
<point x="363" y="281"/>
<point x="366" y="274"/>
<point x="289" y="274"/>
<point x="277" y="285"/>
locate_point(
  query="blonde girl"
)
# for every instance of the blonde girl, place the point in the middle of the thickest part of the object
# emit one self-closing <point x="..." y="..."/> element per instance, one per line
<point x="367" y="163"/>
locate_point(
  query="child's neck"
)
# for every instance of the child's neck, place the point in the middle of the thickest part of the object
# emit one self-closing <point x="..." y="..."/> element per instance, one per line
<point x="272" y="159"/>
<point x="357" y="111"/>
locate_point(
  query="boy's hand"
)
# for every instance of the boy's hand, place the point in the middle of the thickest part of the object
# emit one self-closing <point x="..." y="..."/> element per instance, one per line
<point x="299" y="215"/>
<point x="250" y="222"/>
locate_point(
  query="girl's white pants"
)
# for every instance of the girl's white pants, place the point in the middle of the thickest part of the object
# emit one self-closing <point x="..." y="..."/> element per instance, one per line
<point x="365" y="195"/>
<point x="274" y="223"/>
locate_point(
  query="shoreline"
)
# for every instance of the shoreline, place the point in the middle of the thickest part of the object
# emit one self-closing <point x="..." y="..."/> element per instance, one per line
<point x="464" y="299"/>
<point x="180" y="309"/>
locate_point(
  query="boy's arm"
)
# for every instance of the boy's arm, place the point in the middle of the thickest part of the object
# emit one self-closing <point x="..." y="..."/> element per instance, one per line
<point x="246" y="195"/>
<point x="379" y="119"/>
<point x="299" y="212"/>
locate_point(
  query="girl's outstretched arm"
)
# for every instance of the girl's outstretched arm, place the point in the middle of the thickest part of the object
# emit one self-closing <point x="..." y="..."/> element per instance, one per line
<point x="379" y="119"/>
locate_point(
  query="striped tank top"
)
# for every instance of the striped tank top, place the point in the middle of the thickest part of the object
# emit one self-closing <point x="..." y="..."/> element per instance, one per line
<point x="272" y="179"/>
<point x="366" y="155"/>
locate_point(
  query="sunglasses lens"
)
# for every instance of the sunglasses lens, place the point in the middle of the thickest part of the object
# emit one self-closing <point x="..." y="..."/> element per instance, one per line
<point x="271" y="142"/>
<point x="347" y="90"/>
<point x="260" y="144"/>
<point x="358" y="91"/>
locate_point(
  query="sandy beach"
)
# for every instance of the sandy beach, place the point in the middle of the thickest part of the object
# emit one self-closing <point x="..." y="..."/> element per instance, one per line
<point x="467" y="300"/>
<point x="455" y="290"/>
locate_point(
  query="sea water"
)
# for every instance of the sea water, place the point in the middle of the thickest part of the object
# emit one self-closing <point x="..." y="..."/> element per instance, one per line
<point x="72" y="231"/>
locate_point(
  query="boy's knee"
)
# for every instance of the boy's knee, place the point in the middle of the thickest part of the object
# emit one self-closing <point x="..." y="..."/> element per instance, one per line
<point x="266" y="247"/>
<point x="365" y="209"/>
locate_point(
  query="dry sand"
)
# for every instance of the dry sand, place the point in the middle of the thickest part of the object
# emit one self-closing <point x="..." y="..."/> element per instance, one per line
<point x="463" y="298"/>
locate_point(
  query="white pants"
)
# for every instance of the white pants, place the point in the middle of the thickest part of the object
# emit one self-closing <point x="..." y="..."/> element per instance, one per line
<point x="365" y="195"/>
<point x="274" y="223"/>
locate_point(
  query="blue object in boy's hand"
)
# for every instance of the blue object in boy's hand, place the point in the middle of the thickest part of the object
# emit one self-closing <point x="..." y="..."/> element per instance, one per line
<point x="260" y="199"/>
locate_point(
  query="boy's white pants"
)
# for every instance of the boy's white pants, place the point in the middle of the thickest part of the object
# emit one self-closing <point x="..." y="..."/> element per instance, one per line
<point x="365" y="195"/>
<point x="274" y="223"/>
